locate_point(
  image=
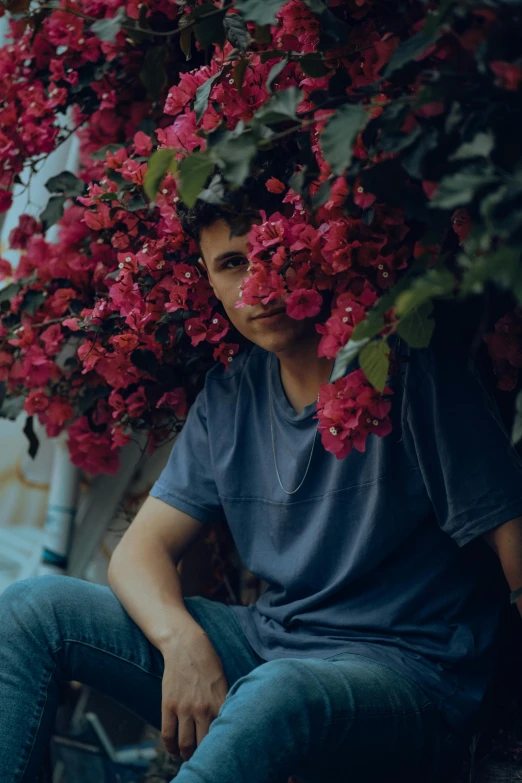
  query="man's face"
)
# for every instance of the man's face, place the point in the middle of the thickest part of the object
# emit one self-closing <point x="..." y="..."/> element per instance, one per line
<point x="226" y="261"/>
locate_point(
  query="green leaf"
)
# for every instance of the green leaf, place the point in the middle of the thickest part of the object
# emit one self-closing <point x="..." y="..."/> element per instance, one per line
<point x="185" y="42"/>
<point x="313" y="65"/>
<point x="479" y="147"/>
<point x="322" y="195"/>
<point x="371" y="326"/>
<point x="274" y="73"/>
<point x="215" y="193"/>
<point x="162" y="334"/>
<point x="100" y="153"/>
<point x="374" y="321"/>
<point x="12" y="407"/>
<point x="236" y="31"/>
<point x="108" y="29"/>
<point x="89" y="396"/>
<point x="457" y="190"/>
<point x="32" y="301"/>
<point x="346" y="356"/>
<point x="261" y="13"/>
<point x="331" y="25"/>
<point x="516" y="434"/>
<point x="10" y="291"/>
<point x="233" y="154"/>
<point x="340" y="133"/>
<point x="209" y="30"/>
<point x="374" y="360"/>
<point x="280" y="107"/>
<point x="121" y="182"/>
<point x="144" y="359"/>
<point x="416" y="326"/>
<point x="263" y="35"/>
<point x="193" y="173"/>
<point x="31" y="437"/>
<point x="269" y="54"/>
<point x="66" y="183"/>
<point x="433" y="283"/>
<point x="239" y="72"/>
<point x="315" y="6"/>
<point x="501" y="265"/>
<point x="202" y="95"/>
<point x="135" y="202"/>
<point x="416" y="45"/>
<point x="414" y="155"/>
<point x="160" y="162"/>
<point x="152" y="74"/>
<point x="52" y="212"/>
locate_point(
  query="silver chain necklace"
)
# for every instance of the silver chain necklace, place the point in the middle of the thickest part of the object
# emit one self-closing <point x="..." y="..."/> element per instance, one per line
<point x="272" y="434"/>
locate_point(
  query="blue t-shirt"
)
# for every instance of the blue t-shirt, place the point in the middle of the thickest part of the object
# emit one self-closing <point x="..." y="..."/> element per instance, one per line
<point x="378" y="554"/>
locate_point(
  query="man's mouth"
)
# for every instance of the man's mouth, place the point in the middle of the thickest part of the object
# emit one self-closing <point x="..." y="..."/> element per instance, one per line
<point x="271" y="314"/>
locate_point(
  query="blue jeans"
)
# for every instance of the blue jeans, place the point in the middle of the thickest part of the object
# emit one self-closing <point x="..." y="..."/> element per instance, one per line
<point x="344" y="718"/>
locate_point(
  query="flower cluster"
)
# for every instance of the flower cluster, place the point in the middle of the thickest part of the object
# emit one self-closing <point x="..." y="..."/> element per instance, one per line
<point x="113" y="327"/>
<point x="63" y="63"/>
<point x="349" y="410"/>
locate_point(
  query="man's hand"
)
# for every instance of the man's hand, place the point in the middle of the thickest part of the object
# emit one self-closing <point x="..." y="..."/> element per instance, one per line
<point x="506" y="541"/>
<point x="194" y="688"/>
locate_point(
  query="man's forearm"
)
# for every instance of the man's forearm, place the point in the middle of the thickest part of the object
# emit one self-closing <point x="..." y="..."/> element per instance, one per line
<point x="506" y="540"/>
<point x="145" y="579"/>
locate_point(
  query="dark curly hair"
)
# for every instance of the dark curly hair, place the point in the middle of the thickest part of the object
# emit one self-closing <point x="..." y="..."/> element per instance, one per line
<point x="241" y="207"/>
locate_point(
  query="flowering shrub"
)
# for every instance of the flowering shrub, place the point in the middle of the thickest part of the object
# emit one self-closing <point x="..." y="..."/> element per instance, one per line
<point x="402" y="185"/>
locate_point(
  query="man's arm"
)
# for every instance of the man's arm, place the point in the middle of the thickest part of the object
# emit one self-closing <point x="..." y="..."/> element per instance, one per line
<point x="143" y="575"/>
<point x="506" y="541"/>
<point x="143" y="570"/>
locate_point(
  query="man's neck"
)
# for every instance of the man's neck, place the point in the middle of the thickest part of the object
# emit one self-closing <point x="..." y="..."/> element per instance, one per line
<point x="303" y="372"/>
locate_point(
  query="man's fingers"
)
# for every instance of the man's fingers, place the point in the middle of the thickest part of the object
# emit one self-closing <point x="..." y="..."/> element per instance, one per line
<point x="186" y="736"/>
<point x="169" y="732"/>
<point x="202" y="727"/>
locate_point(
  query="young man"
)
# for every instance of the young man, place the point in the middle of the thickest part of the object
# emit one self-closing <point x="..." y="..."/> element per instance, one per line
<point x="367" y="656"/>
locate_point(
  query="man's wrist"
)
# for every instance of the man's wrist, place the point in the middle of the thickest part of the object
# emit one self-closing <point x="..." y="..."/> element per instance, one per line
<point x="181" y="626"/>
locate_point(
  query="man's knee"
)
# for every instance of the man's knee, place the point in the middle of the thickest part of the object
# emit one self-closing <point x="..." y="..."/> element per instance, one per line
<point x="33" y="605"/>
<point x="36" y="589"/>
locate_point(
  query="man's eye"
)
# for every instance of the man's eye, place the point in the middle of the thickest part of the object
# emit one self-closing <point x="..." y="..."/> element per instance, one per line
<point x="236" y="261"/>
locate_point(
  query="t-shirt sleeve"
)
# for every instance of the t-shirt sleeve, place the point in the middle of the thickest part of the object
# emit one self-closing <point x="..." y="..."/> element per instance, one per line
<point x="187" y="481"/>
<point x="471" y="471"/>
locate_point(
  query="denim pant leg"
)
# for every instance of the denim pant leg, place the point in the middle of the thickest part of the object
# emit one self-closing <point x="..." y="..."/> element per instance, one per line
<point x="57" y="628"/>
<point x="347" y="719"/>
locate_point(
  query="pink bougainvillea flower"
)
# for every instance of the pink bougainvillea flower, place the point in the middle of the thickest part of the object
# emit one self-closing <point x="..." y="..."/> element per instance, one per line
<point x="176" y="400"/>
<point x="509" y="75"/>
<point x="36" y="401"/>
<point x="52" y="338"/>
<point x="274" y="185"/>
<point x="225" y="352"/>
<point x="335" y="335"/>
<point x="6" y="199"/>
<point x="142" y="143"/>
<point x="302" y="304"/>
<point x="56" y="415"/>
<point x="461" y="222"/>
<point x="361" y="198"/>
<point x="27" y="227"/>
<point x="348" y="411"/>
<point x="5" y="269"/>
<point x="429" y="188"/>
